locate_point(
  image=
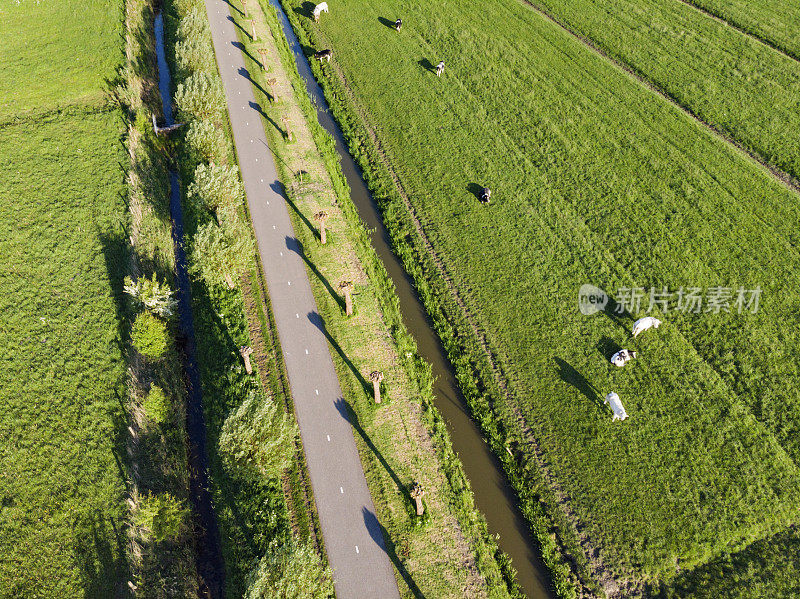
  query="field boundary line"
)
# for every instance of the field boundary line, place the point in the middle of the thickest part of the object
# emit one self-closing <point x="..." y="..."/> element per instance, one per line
<point x="787" y="180"/>
<point x="742" y="30"/>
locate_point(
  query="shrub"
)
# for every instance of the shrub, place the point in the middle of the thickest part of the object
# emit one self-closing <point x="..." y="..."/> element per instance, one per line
<point x="206" y="141"/>
<point x="290" y="571"/>
<point x="149" y="335"/>
<point x="258" y="438"/>
<point x="200" y="96"/>
<point x="152" y="294"/>
<point x="161" y="517"/>
<point x="194" y="51"/>
<point x="156" y="405"/>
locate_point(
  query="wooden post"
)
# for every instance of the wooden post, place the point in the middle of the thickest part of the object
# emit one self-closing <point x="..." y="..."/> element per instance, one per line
<point x="376" y="377"/>
<point x="253" y="28"/>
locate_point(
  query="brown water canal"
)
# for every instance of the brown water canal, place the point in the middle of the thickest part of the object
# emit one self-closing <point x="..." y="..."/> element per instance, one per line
<point x="493" y="494"/>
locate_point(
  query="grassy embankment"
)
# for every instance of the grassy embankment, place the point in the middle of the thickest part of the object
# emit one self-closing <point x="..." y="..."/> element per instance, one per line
<point x="604" y="182"/>
<point x="259" y="511"/>
<point x="774" y="21"/>
<point x="404" y="440"/>
<point x="735" y="83"/>
<point x="62" y="509"/>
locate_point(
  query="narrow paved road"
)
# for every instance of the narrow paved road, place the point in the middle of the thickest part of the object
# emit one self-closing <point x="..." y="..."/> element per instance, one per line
<point x="352" y="535"/>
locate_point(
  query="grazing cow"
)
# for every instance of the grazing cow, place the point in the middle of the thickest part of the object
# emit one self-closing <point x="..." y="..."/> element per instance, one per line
<point x="622" y="357"/>
<point x="323" y="55"/>
<point x="319" y="9"/>
<point x="486" y="195"/>
<point x="398" y="24"/>
<point x="641" y="325"/>
<point x="440" y="68"/>
<point x="614" y="401"/>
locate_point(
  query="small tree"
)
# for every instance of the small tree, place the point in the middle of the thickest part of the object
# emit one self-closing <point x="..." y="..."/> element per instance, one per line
<point x="322" y="218"/>
<point x="272" y="81"/>
<point x="149" y="335"/>
<point x="290" y="571"/>
<point x="217" y="189"/>
<point x="287" y="126"/>
<point x="417" y="492"/>
<point x="258" y="438"/>
<point x="206" y="141"/>
<point x="218" y="256"/>
<point x="156" y="405"/>
<point x="200" y="96"/>
<point x="161" y="517"/>
<point x="245" y="352"/>
<point x="152" y="294"/>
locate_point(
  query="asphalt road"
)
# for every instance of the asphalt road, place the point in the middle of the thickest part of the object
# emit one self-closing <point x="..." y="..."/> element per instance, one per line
<point x="352" y="534"/>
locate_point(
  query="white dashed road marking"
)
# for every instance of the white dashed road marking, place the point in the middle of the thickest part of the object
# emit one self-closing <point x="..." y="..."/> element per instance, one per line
<point x="356" y="548"/>
<point x="316" y="391"/>
<point x="341" y="490"/>
<point x="329" y="438"/>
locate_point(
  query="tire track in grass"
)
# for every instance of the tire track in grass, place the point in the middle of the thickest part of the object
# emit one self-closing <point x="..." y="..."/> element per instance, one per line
<point x="778" y="174"/>
<point x="503" y="380"/>
<point x="732" y="25"/>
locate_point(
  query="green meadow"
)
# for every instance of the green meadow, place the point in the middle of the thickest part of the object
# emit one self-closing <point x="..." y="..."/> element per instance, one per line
<point x="61" y="365"/>
<point x="595" y="179"/>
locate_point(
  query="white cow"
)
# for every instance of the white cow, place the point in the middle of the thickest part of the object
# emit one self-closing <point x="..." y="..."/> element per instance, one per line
<point x="440" y="68"/>
<point x="319" y="9"/>
<point x="648" y="322"/>
<point x="614" y="401"/>
<point x="622" y="357"/>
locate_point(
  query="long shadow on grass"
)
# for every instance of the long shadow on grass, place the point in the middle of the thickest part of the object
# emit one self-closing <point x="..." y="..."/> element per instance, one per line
<point x="318" y="322"/>
<point x="608" y="347"/>
<point x="382" y="539"/>
<point x="102" y="565"/>
<point x="569" y="375"/>
<point x="294" y="245"/>
<point x="279" y="188"/>
<point x="246" y="74"/>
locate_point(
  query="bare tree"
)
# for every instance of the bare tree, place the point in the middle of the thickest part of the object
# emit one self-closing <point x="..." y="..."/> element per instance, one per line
<point x="263" y="52"/>
<point x="253" y="29"/>
<point x="376" y="377"/>
<point x="417" y="492"/>
<point x="346" y="288"/>
<point x="322" y="218"/>
<point x="244" y="6"/>
<point x="271" y="82"/>
<point x="286" y="125"/>
<point x="245" y="352"/>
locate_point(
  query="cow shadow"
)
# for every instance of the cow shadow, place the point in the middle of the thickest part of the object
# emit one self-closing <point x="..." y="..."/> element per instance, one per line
<point x="426" y="64"/>
<point x="571" y="376"/>
<point x="306" y="10"/>
<point x="387" y="22"/>
<point x="475" y="190"/>
<point x="608" y="347"/>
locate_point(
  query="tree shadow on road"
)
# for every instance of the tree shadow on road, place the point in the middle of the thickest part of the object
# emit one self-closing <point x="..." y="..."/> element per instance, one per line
<point x="294" y="245"/>
<point x="383" y="540"/>
<point x="318" y="322"/>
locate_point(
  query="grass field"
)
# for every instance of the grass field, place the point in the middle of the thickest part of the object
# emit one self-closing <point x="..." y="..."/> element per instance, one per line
<point x="597" y="180"/>
<point x="775" y="21"/>
<point x="62" y="370"/>
<point x="57" y="54"/>
<point x="730" y="80"/>
<point x="61" y="376"/>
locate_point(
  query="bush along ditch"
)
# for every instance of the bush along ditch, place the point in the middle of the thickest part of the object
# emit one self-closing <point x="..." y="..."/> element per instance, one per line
<point x="560" y="549"/>
<point x="415" y="369"/>
<point x="159" y="545"/>
<point x="251" y="439"/>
